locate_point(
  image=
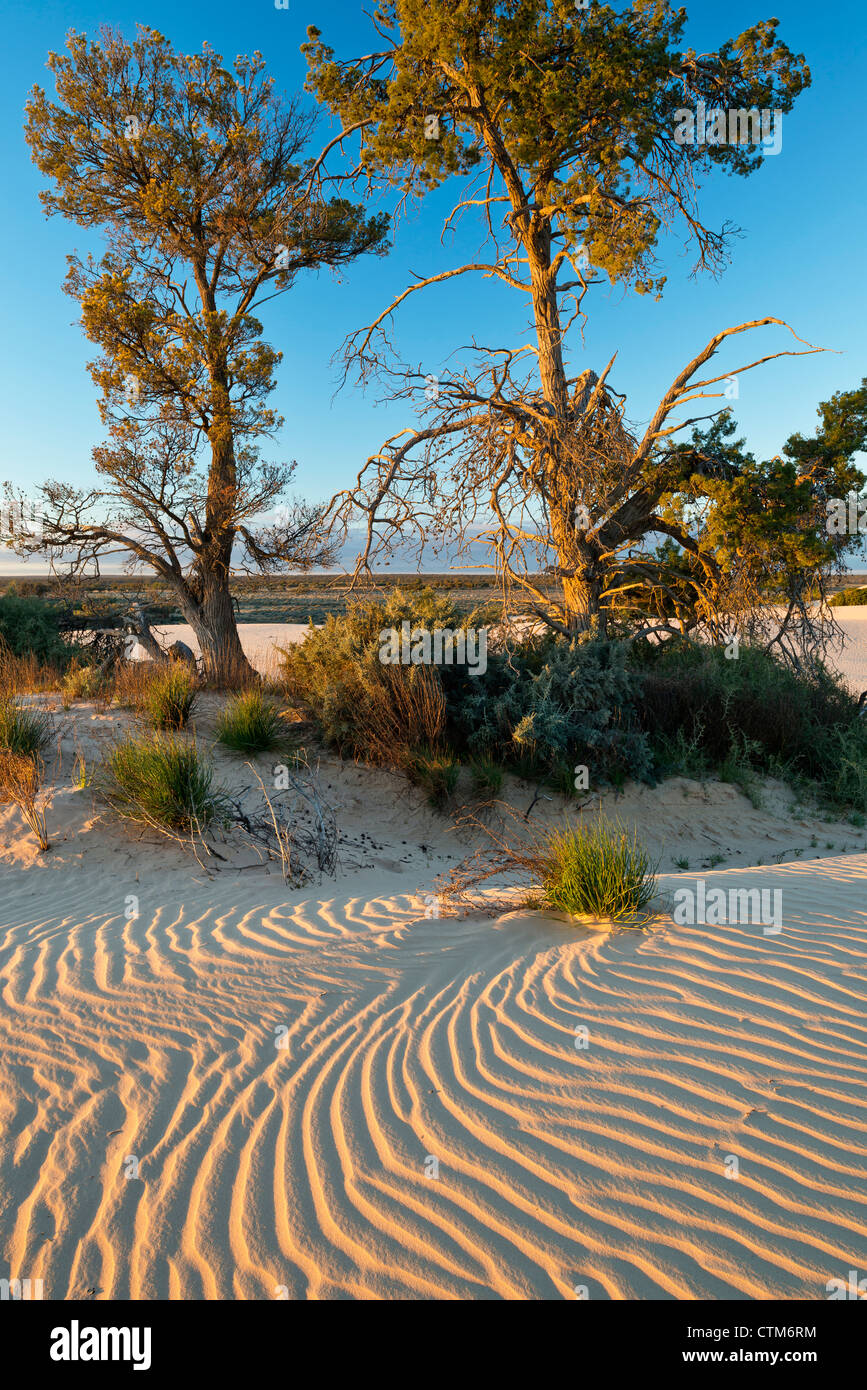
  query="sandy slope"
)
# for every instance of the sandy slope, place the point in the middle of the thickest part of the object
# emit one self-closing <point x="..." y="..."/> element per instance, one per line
<point x="304" y="1171"/>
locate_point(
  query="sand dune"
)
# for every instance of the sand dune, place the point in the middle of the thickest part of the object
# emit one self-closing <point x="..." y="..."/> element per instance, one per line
<point x="302" y="1171"/>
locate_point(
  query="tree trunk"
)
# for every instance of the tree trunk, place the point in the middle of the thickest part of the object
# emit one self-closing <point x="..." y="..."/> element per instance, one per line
<point x="223" y="659"/>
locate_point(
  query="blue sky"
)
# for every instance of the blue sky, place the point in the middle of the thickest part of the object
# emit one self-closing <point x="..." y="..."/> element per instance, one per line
<point x="801" y="256"/>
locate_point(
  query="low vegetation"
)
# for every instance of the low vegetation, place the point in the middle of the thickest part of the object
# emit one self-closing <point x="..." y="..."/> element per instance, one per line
<point x="847" y="598"/>
<point x="252" y="723"/>
<point x="600" y="869"/>
<point x="165" y="783"/>
<point x="547" y="706"/>
<point x="20" y="781"/>
<point x="169" y="696"/>
<point x="24" y="729"/>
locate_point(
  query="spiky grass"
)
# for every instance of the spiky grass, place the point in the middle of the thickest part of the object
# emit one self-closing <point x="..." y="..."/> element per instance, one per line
<point x="23" y="729"/>
<point x="160" y="781"/>
<point x="20" y="778"/>
<point x="600" y="869"/>
<point x="251" y="723"/>
<point x="436" y="772"/>
<point x="170" y="697"/>
<point x="487" y="776"/>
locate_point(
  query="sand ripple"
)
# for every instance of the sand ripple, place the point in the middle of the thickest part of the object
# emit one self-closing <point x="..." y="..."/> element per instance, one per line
<point x="428" y="1127"/>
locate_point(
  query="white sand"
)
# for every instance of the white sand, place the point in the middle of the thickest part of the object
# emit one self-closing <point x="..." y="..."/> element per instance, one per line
<point x="307" y="1171"/>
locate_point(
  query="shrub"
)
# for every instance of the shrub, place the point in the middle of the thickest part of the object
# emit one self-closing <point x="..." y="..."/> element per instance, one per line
<point x="598" y="869"/>
<point x="23" y="729"/>
<point x="848" y="597"/>
<point x="20" y="777"/>
<point x="559" y="703"/>
<point x="34" y="627"/>
<point x="436" y="772"/>
<point x="251" y="723"/>
<point x="169" y="697"/>
<point x="754" y="713"/>
<point x="82" y="683"/>
<point x="362" y="707"/>
<point x="162" y="782"/>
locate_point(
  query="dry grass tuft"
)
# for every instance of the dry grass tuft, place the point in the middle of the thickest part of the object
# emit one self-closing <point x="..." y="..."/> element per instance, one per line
<point x="20" y="780"/>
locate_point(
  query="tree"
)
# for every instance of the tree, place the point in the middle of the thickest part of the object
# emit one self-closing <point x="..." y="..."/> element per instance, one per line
<point x="571" y="122"/>
<point x="197" y="178"/>
<point x="762" y="547"/>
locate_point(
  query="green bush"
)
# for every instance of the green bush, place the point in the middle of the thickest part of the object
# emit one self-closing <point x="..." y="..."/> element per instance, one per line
<point x="703" y="712"/>
<point x="598" y="869"/>
<point x="848" y="598"/>
<point x="362" y="707"/>
<point x="163" y="782"/>
<point x="82" y="683"/>
<point x="31" y="626"/>
<point x="23" y="728"/>
<point x="170" y="696"/>
<point x="559" y="703"/>
<point x="250" y="723"/>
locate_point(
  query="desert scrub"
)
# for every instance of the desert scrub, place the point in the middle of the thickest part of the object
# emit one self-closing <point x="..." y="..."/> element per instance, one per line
<point x="436" y="772"/>
<point x="550" y="703"/>
<point x="23" y="729"/>
<point x="162" y="782"/>
<point x="251" y="723"/>
<point x="20" y="779"/>
<point x="169" y="697"/>
<point x="598" y="869"/>
<point x="365" y="708"/>
<point x="82" y="683"/>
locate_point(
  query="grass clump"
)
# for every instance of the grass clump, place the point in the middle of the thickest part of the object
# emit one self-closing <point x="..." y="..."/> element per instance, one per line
<point x="82" y="683"/>
<point x="436" y="772"/>
<point x="23" y="730"/>
<point x="251" y="723"/>
<point x="599" y="869"/>
<point x="164" y="783"/>
<point x="170" y="696"/>
<point x="487" y="776"/>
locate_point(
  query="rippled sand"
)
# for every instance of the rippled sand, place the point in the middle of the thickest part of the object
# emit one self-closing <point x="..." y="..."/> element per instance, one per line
<point x="430" y="1129"/>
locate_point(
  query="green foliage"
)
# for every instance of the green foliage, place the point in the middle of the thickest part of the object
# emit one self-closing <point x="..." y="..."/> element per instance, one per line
<point x="82" y="683"/>
<point x="34" y="626"/>
<point x="336" y="675"/>
<point x="487" y="776"/>
<point x="559" y="703"/>
<point x="23" y="728"/>
<point x="598" y="869"/>
<point x="706" y="714"/>
<point x="577" y="103"/>
<point x="251" y="723"/>
<point x="848" y="598"/>
<point x="170" y="696"/>
<point x="163" y="782"/>
<point x="436" y="773"/>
